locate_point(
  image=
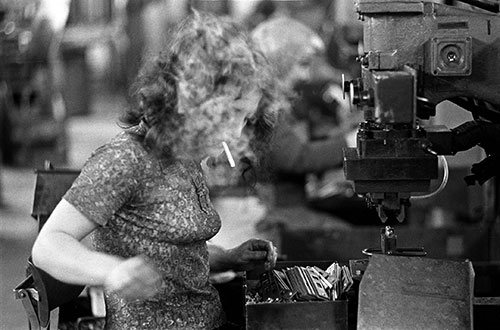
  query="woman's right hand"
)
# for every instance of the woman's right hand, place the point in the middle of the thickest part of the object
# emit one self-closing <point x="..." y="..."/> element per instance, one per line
<point x="134" y="279"/>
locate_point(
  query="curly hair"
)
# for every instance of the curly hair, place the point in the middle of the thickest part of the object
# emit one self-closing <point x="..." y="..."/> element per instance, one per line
<point x="185" y="94"/>
<point x="285" y="41"/>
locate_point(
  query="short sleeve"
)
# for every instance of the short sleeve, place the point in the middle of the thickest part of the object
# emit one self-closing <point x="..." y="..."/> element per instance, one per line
<point x="107" y="181"/>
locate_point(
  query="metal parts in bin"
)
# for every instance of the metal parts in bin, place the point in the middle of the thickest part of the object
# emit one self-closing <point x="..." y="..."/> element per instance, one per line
<point x="416" y="293"/>
<point x="310" y="315"/>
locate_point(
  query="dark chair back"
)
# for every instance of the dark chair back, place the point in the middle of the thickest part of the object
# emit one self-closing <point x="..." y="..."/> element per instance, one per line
<point x="52" y="293"/>
<point x="50" y="187"/>
<point x="40" y="292"/>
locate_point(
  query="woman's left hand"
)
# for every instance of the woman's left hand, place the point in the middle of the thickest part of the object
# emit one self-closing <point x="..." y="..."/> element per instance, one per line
<point x="252" y="253"/>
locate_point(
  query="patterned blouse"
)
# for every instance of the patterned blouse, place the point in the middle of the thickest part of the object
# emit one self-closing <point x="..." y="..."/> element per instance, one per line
<point x="162" y="211"/>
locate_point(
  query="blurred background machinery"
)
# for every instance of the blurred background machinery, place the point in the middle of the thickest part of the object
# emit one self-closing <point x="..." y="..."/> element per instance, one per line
<point x="32" y="108"/>
<point x="54" y="56"/>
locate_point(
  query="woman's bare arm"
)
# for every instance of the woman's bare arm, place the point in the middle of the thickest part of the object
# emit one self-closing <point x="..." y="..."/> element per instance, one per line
<point x="58" y="250"/>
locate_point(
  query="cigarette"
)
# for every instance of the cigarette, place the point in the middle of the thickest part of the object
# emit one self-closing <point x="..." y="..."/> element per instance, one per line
<point x="228" y="154"/>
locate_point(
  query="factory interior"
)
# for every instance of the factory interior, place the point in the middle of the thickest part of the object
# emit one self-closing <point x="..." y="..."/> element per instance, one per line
<point x="416" y="81"/>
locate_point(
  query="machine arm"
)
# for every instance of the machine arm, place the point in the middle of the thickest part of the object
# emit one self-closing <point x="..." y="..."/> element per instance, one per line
<point x="416" y="55"/>
<point x="486" y="135"/>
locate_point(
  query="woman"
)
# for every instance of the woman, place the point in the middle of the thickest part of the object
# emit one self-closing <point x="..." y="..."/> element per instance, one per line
<point x="143" y="195"/>
<point x="307" y="150"/>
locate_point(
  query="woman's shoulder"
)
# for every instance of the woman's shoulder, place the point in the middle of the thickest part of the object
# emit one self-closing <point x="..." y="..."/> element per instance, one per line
<point x="125" y="142"/>
<point x="124" y="149"/>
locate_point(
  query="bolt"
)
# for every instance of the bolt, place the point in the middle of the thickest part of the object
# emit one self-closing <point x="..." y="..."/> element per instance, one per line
<point x="452" y="57"/>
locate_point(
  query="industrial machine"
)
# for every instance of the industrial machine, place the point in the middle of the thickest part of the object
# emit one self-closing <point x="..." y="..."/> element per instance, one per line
<point x="417" y="54"/>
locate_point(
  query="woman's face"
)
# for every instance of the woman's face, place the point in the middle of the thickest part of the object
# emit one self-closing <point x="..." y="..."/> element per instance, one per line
<point x="243" y="109"/>
<point x="300" y="70"/>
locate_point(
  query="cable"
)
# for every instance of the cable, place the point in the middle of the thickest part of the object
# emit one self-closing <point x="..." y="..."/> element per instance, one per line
<point x="443" y="182"/>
